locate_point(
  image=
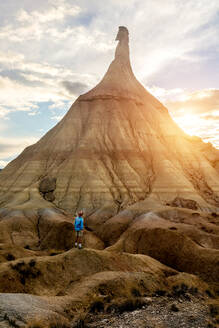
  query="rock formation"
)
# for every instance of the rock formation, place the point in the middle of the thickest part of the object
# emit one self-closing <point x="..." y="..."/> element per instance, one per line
<point x="146" y="188"/>
<point x="116" y="146"/>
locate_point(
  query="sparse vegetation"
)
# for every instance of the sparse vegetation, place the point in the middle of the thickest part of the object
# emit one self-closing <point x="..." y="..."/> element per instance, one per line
<point x="135" y="292"/>
<point x="174" y="308"/>
<point x="209" y="293"/>
<point x="82" y="320"/>
<point x="97" y="306"/>
<point x="125" y="305"/>
<point x="10" y="257"/>
<point x="160" y="292"/>
<point x="103" y="289"/>
<point x="214" y="310"/>
<point x="210" y="325"/>
<point x="183" y="291"/>
<point x="17" y="266"/>
<point x="57" y="323"/>
<point x="26" y="270"/>
<point x="32" y="263"/>
<point x="11" y="321"/>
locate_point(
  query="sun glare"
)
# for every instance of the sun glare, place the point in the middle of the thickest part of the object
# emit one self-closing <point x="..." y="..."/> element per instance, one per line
<point x="189" y="122"/>
<point x="196" y="125"/>
<point x="192" y="124"/>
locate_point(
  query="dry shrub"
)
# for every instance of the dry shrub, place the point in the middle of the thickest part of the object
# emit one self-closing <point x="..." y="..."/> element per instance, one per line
<point x="53" y="323"/>
<point x="81" y="319"/>
<point x="10" y="257"/>
<point x="26" y="270"/>
<point x="125" y="304"/>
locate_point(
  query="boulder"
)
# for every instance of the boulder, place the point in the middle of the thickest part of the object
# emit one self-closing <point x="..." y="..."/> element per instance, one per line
<point x="186" y="203"/>
<point x="47" y="185"/>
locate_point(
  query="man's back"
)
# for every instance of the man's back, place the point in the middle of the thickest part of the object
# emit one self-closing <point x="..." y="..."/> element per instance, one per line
<point x="79" y="223"/>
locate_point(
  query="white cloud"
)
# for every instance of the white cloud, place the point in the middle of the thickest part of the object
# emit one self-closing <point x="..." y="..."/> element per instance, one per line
<point x="57" y="117"/>
<point x="167" y="94"/>
<point x="58" y="11"/>
<point x="13" y="146"/>
<point x="4" y="112"/>
<point x="15" y="61"/>
<point x="36" y="24"/>
<point x="204" y="101"/>
<point x="42" y="83"/>
<point x="3" y="164"/>
<point x="3" y="124"/>
<point x="10" y="58"/>
<point x="60" y="104"/>
<point x="32" y="113"/>
<point x="157" y="36"/>
<point x="15" y="96"/>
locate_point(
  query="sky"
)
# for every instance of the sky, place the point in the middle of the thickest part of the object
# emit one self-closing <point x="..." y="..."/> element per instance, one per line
<point x="51" y="51"/>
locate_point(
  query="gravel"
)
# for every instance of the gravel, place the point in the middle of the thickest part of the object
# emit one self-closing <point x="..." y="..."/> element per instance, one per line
<point x="162" y="312"/>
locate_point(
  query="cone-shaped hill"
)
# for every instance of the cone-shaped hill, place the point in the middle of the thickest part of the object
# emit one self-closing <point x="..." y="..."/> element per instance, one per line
<point x="116" y="146"/>
<point x="150" y="194"/>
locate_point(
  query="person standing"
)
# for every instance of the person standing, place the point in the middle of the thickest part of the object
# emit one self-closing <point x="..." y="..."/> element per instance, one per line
<point x="79" y="227"/>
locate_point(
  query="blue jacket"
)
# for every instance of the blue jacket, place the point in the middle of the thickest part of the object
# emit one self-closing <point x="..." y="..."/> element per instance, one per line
<point x="79" y="223"/>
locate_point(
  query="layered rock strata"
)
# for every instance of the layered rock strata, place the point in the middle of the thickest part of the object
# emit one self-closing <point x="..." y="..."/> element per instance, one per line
<point x="116" y="146"/>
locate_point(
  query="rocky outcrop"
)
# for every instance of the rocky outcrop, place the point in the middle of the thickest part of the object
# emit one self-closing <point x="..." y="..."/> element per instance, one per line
<point x="186" y="203"/>
<point x="78" y="282"/>
<point x="47" y="187"/>
<point x="174" y="249"/>
<point x="41" y="229"/>
<point x="36" y="275"/>
<point x="181" y="240"/>
<point x="22" y="310"/>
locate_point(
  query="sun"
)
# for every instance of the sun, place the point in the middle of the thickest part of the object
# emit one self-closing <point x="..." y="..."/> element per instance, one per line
<point x="190" y="123"/>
